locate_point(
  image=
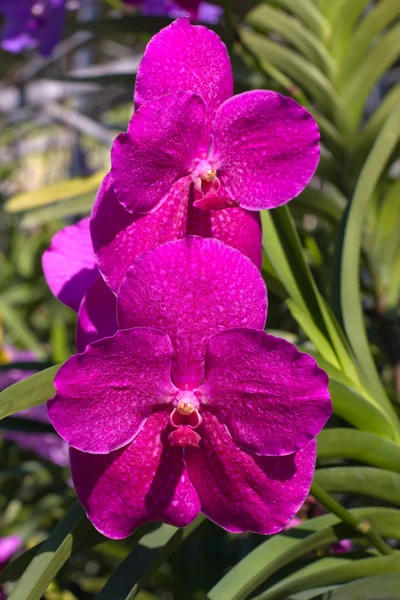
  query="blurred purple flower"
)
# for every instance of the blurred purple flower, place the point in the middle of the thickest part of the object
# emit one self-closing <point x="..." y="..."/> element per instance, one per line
<point x="47" y="445"/>
<point x="8" y="547"/>
<point x="196" y="9"/>
<point x="191" y="405"/>
<point x="32" y="24"/>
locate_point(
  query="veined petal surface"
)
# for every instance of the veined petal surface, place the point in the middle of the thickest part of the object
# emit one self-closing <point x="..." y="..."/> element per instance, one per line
<point x="192" y="289"/>
<point x="144" y="481"/>
<point x="104" y="395"/>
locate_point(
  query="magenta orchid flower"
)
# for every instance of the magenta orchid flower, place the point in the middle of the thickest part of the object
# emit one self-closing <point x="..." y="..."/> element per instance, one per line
<point x="32" y="24"/>
<point x="191" y="405"/>
<point x="257" y="150"/>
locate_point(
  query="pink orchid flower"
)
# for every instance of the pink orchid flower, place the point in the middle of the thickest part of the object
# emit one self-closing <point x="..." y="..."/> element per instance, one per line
<point x="257" y="150"/>
<point x="191" y="406"/>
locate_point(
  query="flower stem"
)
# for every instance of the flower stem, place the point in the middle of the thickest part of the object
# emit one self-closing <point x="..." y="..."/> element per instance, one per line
<point x="363" y="527"/>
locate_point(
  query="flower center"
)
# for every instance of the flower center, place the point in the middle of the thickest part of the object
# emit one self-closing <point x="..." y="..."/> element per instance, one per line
<point x="185" y="418"/>
<point x="209" y="175"/>
<point x="185" y="408"/>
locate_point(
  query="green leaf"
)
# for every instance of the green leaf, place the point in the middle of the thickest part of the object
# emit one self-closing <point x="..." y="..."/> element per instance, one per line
<point x="18" y="329"/>
<point x="282" y="245"/>
<point x="266" y="18"/>
<point x="55" y="192"/>
<point x="308" y="77"/>
<point x="279" y="550"/>
<point x="71" y="533"/>
<point x="327" y="203"/>
<point x="141" y="564"/>
<point x="308" y="13"/>
<point x="363" y="80"/>
<point x="367" y="481"/>
<point x="359" y="445"/>
<point x="382" y="587"/>
<point x="372" y="128"/>
<point x="375" y="22"/>
<point x="346" y="279"/>
<point x="342" y="26"/>
<point x="325" y="572"/>
<point x="29" y="392"/>
<point x="82" y="205"/>
<point x="358" y="409"/>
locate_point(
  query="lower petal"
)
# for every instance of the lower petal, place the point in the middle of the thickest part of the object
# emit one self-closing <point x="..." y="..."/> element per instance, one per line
<point x="97" y="316"/>
<point x="244" y="492"/>
<point x="144" y="481"/>
<point x="119" y="236"/>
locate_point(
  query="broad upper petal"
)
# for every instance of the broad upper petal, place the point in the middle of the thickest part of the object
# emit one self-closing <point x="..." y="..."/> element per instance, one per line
<point x="272" y="398"/>
<point x="266" y="148"/>
<point x="192" y="289"/>
<point x="69" y="265"/>
<point x="244" y="492"/>
<point x="162" y="142"/>
<point x="189" y="58"/>
<point x="119" y="236"/>
<point x="144" y="481"/>
<point x="104" y="395"/>
<point x="97" y="316"/>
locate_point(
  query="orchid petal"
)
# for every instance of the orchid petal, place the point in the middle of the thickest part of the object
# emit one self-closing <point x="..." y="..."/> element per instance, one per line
<point x="272" y="398"/>
<point x="144" y="481"/>
<point x="97" y="316"/>
<point x="69" y="265"/>
<point x="188" y="58"/>
<point x="266" y="147"/>
<point x="119" y="236"/>
<point x="236" y="227"/>
<point x="192" y="289"/>
<point x="105" y="394"/>
<point x="162" y="142"/>
<point x="244" y="492"/>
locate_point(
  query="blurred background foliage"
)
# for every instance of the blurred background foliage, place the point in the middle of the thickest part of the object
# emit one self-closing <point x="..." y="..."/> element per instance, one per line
<point x="331" y="263"/>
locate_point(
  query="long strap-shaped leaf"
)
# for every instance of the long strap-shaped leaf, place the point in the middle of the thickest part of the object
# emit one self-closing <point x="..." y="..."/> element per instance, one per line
<point x="346" y="282"/>
<point x="308" y="13"/>
<point x="142" y="562"/>
<point x="359" y="445"/>
<point x="280" y="550"/>
<point x="384" y="587"/>
<point x="328" y="572"/>
<point x="31" y="391"/>
<point x="367" y="481"/>
<point x="66" y="538"/>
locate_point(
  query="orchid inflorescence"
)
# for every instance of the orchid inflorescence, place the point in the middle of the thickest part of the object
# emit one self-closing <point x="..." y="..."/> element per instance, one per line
<point x="178" y="400"/>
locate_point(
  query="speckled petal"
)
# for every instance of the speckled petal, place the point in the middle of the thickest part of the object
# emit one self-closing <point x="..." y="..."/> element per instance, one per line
<point x="97" y="316"/>
<point x="189" y="58"/>
<point x="105" y="394"/>
<point x="119" y="236"/>
<point x="69" y="265"/>
<point x="244" y="492"/>
<point x="272" y="398"/>
<point x="192" y="289"/>
<point x="162" y="142"/>
<point x="265" y="147"/>
<point x="144" y="481"/>
<point x="236" y="227"/>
